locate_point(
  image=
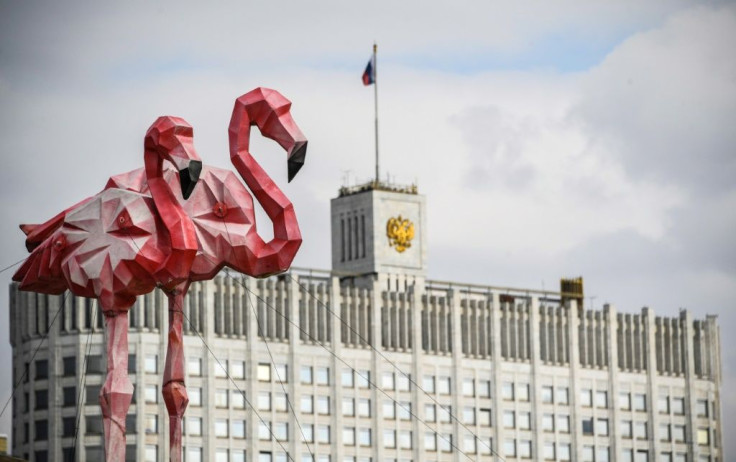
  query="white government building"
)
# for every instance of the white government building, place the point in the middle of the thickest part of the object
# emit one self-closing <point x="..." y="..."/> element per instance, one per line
<point x="372" y="362"/>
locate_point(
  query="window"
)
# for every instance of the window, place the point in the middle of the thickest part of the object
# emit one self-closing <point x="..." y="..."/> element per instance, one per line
<point x="364" y="407"/>
<point x="237" y="370"/>
<point x="445" y="413"/>
<point x="403" y="410"/>
<point x="525" y="449"/>
<point x="640" y="430"/>
<point x="586" y="397"/>
<point x="92" y="393"/>
<point x="194" y="367"/>
<point x="664" y="432"/>
<point x="195" y="396"/>
<point x="42" y="399"/>
<point x="151" y="393"/>
<point x="221" y="455"/>
<point x="680" y="457"/>
<point x="42" y="430"/>
<point x="509" y="419"/>
<point x="70" y="366"/>
<point x="703" y="436"/>
<point x="221" y="398"/>
<point x="348" y="407"/>
<point x="70" y="396"/>
<point x="443" y="385"/>
<point x="238" y="428"/>
<point x="428" y="385"/>
<point x="549" y="451"/>
<point x="282" y="375"/>
<point x="469" y="415"/>
<point x="389" y="410"/>
<point x="403" y="382"/>
<point x="348" y="436"/>
<point x="430" y="413"/>
<point x="627" y="455"/>
<point x="665" y="457"/>
<point x="509" y="448"/>
<point x="444" y="442"/>
<point x="95" y="364"/>
<point x="238" y="399"/>
<point x="387" y="382"/>
<point x="563" y="451"/>
<point x="678" y="433"/>
<point x="94" y="424"/>
<point x="678" y="406"/>
<point x="587" y="426"/>
<point x="194" y="454"/>
<point x="323" y="434"/>
<point x="484" y="388"/>
<point x="507" y="391"/>
<point x="42" y="369"/>
<point x="389" y="438"/>
<point x="548" y="398"/>
<point x="364" y="436"/>
<point x="307" y="404"/>
<point x="626" y="429"/>
<point x="194" y="426"/>
<point x="563" y="397"/>
<point x="468" y="387"/>
<point x="601" y="399"/>
<point x="524" y="420"/>
<point x="264" y="401"/>
<point x="701" y="408"/>
<point x="150" y="364"/>
<point x="307" y="433"/>
<point x="264" y="431"/>
<point x="323" y="405"/>
<point x="624" y="401"/>
<point x="641" y="455"/>
<point x="663" y="404"/>
<point x="640" y="402"/>
<point x="347" y="378"/>
<point x="548" y="422"/>
<point x="363" y="379"/>
<point x="522" y="391"/>
<point x="305" y="375"/>
<point x="563" y="423"/>
<point x="469" y="446"/>
<point x="264" y="372"/>
<point x="601" y="427"/>
<point x="484" y="417"/>
<point x="151" y="423"/>
<point x="221" y="430"/>
<point x="280" y="402"/>
<point x="588" y="454"/>
<point x="322" y="375"/>
<point x="69" y="425"/>
<point x="430" y="441"/>
<point x="602" y="454"/>
<point x="264" y="456"/>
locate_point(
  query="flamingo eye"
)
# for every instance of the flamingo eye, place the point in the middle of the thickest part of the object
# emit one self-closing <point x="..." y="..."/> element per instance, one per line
<point x="59" y="243"/>
<point x="220" y="209"/>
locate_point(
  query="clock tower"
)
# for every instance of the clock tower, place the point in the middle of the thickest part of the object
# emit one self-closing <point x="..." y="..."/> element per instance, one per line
<point x="378" y="231"/>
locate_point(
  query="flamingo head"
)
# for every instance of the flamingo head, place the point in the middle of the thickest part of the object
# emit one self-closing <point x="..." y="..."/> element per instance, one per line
<point x="172" y="139"/>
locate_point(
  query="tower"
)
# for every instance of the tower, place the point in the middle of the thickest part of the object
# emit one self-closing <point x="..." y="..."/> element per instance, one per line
<point x="378" y="230"/>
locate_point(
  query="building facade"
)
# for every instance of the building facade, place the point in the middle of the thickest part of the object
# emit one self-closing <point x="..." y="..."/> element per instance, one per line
<point x="373" y="362"/>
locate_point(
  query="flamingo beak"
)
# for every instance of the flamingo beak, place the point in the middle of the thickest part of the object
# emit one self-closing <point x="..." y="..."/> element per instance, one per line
<point x="189" y="176"/>
<point x="296" y="158"/>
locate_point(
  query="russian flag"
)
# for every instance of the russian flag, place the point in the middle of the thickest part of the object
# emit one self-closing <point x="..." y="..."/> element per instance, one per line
<point x="369" y="75"/>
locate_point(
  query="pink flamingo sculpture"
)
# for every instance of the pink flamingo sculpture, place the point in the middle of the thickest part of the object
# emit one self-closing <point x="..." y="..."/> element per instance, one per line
<point x="221" y="209"/>
<point x="115" y="246"/>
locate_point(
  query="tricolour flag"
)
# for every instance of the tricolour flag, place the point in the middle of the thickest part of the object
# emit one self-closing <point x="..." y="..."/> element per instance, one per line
<point x="369" y="75"/>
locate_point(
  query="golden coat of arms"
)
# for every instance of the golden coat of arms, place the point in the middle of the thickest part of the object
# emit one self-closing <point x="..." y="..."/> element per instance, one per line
<point x="400" y="232"/>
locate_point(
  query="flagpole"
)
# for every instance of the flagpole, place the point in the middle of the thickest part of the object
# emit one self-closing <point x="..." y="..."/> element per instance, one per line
<point x="375" y="100"/>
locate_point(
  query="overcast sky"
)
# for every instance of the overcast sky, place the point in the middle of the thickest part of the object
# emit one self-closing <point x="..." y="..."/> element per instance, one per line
<point x="551" y="139"/>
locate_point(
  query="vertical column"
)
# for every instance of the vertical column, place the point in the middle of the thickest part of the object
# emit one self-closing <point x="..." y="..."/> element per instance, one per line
<point x="650" y="352"/>
<point x="54" y="416"/>
<point x="294" y="393"/>
<point x="251" y="359"/>
<point x="417" y="353"/>
<point x="376" y="287"/>
<point x="337" y="366"/>
<point x="611" y="349"/>
<point x="574" y="316"/>
<point x="535" y="385"/>
<point x="453" y="302"/>
<point x="714" y="349"/>
<point x="495" y="313"/>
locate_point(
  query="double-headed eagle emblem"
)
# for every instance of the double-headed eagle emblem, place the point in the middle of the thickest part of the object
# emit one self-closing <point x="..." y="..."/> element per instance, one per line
<point x="400" y="232"/>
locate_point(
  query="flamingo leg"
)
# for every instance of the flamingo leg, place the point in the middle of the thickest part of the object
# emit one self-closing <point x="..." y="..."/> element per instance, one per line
<point x="174" y="389"/>
<point x="117" y="392"/>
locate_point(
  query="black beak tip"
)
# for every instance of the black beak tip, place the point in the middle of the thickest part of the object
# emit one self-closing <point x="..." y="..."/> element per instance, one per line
<point x="188" y="178"/>
<point x="296" y="159"/>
